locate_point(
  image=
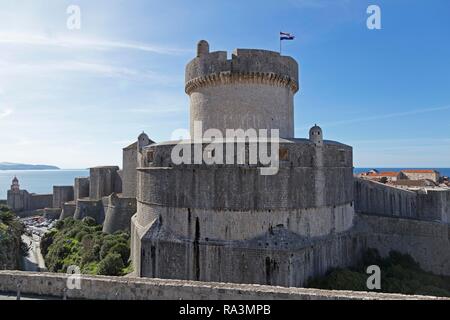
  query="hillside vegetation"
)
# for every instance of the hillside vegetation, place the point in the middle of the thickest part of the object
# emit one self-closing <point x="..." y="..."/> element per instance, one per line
<point x="82" y="243"/>
<point x="400" y="273"/>
<point x="11" y="246"/>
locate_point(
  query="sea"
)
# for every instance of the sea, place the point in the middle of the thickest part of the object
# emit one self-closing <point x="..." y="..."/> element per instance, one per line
<point x="39" y="181"/>
<point x="42" y="181"/>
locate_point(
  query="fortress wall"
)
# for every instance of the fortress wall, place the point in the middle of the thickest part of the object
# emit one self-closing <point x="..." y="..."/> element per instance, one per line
<point x="376" y="198"/>
<point x="68" y="210"/>
<point x="242" y="188"/>
<point x="62" y="194"/>
<point x="81" y="188"/>
<point x="379" y="199"/>
<point x="118" y="181"/>
<point x="244" y="225"/>
<point x="41" y="201"/>
<point x="276" y="247"/>
<point x="230" y="223"/>
<point x="118" y="213"/>
<point x="296" y="153"/>
<point x="434" y="205"/>
<point x="125" y="288"/>
<point x="447" y="209"/>
<point x="90" y="208"/>
<point x="137" y="233"/>
<point x="277" y="257"/>
<point x="129" y="177"/>
<point x="102" y="181"/>
<point x="427" y="242"/>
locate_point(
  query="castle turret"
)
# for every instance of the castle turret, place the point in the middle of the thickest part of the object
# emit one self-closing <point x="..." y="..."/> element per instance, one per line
<point x="316" y="135"/>
<point x="15" y="187"/>
<point x="143" y="140"/>
<point x="202" y="48"/>
<point x="252" y="90"/>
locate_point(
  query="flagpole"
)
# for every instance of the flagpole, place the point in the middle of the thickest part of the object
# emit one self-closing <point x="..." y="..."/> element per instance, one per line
<point x="279" y="36"/>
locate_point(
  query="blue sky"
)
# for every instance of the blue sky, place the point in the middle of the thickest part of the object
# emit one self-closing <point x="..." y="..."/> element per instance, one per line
<point x="74" y="98"/>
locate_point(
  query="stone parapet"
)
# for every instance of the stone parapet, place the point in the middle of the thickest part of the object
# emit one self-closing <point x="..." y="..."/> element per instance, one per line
<point x="252" y="65"/>
<point x="124" y="288"/>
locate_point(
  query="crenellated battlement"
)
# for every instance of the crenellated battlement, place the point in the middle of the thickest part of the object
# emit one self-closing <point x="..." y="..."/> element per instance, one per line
<point x="245" y="65"/>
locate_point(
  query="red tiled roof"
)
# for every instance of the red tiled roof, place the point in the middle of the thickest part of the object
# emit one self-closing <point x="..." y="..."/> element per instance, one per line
<point x="419" y="171"/>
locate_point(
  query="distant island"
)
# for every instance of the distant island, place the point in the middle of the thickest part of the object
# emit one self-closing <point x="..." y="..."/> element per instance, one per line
<point x="22" y="166"/>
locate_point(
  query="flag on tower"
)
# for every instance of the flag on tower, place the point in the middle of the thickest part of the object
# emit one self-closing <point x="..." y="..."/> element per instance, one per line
<point x="286" y="36"/>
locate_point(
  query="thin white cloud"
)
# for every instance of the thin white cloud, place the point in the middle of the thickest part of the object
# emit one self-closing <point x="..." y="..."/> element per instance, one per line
<point x="401" y="141"/>
<point x="318" y="3"/>
<point x="40" y="68"/>
<point x="381" y="117"/>
<point x="156" y="109"/>
<point x="72" y="42"/>
<point x="5" y="113"/>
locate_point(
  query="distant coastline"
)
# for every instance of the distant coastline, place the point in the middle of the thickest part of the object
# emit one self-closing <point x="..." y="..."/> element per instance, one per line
<point x="23" y="166"/>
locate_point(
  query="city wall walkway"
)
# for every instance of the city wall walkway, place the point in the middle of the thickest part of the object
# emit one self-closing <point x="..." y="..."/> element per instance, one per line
<point x="125" y="288"/>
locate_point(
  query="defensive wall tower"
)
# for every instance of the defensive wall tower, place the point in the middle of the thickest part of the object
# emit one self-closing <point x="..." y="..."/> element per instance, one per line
<point x="227" y="222"/>
<point x="254" y="89"/>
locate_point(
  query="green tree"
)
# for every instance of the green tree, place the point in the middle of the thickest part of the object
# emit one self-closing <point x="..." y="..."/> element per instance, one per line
<point x="111" y="265"/>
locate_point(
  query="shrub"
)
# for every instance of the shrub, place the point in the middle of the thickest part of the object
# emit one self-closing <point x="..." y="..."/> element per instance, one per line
<point x="47" y="241"/>
<point x="111" y="265"/>
<point x="400" y="273"/>
<point x="433" y="291"/>
<point x="7" y="216"/>
<point x="82" y="242"/>
<point x="404" y="260"/>
<point x="89" y="221"/>
<point x="110" y="241"/>
<point x="59" y="224"/>
<point x="80" y="235"/>
<point x="123" y="250"/>
<point x="341" y="279"/>
<point x="11" y="245"/>
<point x="371" y="257"/>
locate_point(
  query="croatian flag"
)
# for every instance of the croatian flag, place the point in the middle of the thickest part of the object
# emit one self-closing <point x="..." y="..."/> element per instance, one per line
<point x="286" y="36"/>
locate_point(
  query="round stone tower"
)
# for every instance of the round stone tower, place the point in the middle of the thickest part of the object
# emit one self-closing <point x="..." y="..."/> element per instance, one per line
<point x="254" y="89"/>
<point x="226" y="221"/>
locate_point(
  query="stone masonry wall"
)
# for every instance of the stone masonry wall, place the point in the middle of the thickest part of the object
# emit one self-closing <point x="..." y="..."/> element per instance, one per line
<point x="380" y="199"/>
<point x="118" y="213"/>
<point x="121" y="288"/>
<point x="427" y="242"/>
<point x="81" y="188"/>
<point x="103" y="181"/>
<point x="62" y="194"/>
<point x="40" y="201"/>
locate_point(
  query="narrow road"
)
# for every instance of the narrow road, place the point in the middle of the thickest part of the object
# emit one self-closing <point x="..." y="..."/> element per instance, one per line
<point x="34" y="261"/>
